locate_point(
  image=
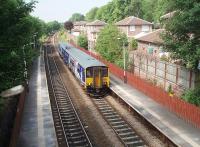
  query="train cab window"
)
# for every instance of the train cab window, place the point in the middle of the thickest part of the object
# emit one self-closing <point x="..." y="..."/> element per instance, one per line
<point x="104" y="72"/>
<point x="89" y="72"/>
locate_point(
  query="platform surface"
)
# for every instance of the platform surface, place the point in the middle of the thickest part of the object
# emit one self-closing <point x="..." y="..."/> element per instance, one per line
<point x="178" y="130"/>
<point x="37" y="128"/>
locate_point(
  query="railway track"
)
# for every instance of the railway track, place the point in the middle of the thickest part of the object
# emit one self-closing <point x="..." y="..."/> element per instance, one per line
<point x="69" y="129"/>
<point x="123" y="130"/>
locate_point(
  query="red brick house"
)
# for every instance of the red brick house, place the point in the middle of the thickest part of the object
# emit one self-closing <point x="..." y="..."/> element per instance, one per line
<point x="93" y="28"/>
<point x="132" y="26"/>
<point x="151" y="43"/>
<point x="79" y="27"/>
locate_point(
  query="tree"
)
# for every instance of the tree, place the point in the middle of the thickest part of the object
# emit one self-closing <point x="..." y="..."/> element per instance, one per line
<point x="18" y="29"/>
<point x="52" y="26"/>
<point x="110" y="44"/>
<point x="68" y="25"/>
<point x="134" y="8"/>
<point x="182" y="32"/>
<point x="90" y="16"/>
<point x="77" y="17"/>
<point x="83" y="41"/>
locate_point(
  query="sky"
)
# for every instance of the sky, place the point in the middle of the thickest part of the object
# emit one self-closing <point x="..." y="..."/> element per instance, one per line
<point x="61" y="10"/>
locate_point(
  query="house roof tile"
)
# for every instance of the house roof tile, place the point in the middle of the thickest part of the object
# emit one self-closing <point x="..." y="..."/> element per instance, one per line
<point x="80" y="23"/>
<point x="96" y="23"/>
<point x="132" y="20"/>
<point x="152" y="37"/>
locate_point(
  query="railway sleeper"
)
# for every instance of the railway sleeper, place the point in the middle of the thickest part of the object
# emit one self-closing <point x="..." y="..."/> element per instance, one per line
<point x="135" y="143"/>
<point x="128" y="133"/>
<point x="68" y="115"/>
<point x="70" y="122"/>
<point x="63" y="100"/>
<point x="65" y="107"/>
<point x="67" y="110"/>
<point x="105" y="107"/>
<point x="77" y="129"/>
<point x="123" y="130"/>
<point x="109" y="113"/>
<point x="104" y="111"/>
<point x="70" y="119"/>
<point x="74" y="133"/>
<point x="73" y="125"/>
<point x="119" y="126"/>
<point x="78" y="142"/>
<point x="112" y="116"/>
<point x="117" y="122"/>
<point x="114" y="119"/>
<point x="131" y="138"/>
<point x="64" y="104"/>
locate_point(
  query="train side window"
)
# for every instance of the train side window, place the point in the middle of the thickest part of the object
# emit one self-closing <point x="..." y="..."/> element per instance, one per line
<point x="89" y="72"/>
<point x="104" y="72"/>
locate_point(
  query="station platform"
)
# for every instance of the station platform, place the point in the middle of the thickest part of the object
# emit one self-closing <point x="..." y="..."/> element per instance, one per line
<point x="176" y="129"/>
<point x="37" y="126"/>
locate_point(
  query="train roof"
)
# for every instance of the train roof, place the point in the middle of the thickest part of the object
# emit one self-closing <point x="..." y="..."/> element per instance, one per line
<point x="81" y="57"/>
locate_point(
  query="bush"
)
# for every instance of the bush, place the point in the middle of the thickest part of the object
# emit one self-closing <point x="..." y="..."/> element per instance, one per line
<point x="192" y="96"/>
<point x="83" y="41"/>
<point x="133" y="44"/>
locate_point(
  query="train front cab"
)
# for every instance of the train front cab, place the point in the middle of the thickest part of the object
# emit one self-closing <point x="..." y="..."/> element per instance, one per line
<point x="97" y="80"/>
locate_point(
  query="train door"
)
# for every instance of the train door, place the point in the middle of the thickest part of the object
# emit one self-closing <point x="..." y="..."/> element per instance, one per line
<point x="97" y="77"/>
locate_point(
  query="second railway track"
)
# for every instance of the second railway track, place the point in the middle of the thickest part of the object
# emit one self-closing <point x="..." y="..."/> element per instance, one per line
<point x="123" y="130"/>
<point x="69" y="129"/>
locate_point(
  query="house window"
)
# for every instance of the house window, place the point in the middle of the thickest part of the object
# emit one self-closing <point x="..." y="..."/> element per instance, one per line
<point x="145" y="28"/>
<point x="132" y="28"/>
<point x="150" y="50"/>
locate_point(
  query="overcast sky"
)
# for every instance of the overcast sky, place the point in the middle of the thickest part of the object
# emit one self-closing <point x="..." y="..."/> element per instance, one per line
<point x="61" y="10"/>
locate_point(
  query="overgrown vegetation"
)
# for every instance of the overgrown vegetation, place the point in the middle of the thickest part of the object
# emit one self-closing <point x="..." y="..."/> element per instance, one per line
<point x="62" y="35"/>
<point x="182" y="36"/>
<point x="116" y="10"/>
<point x="192" y="96"/>
<point x="83" y="41"/>
<point x="19" y="37"/>
<point x="110" y="44"/>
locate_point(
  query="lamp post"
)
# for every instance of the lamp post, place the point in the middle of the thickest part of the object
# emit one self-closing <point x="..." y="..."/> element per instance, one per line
<point x="34" y="37"/>
<point x="25" y="66"/>
<point x="124" y="59"/>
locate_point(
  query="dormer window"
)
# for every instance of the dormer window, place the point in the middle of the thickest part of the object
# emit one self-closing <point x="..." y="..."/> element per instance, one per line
<point x="132" y="28"/>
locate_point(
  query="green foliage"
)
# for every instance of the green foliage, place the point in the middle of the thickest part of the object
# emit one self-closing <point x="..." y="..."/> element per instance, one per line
<point x="14" y="24"/>
<point x="133" y="44"/>
<point x="182" y="32"/>
<point x="116" y="10"/>
<point x="90" y="16"/>
<point x="17" y="29"/>
<point x="62" y="36"/>
<point x="109" y="45"/>
<point x="68" y="25"/>
<point x="83" y="41"/>
<point x="77" y="17"/>
<point x="192" y="96"/>
<point x="52" y="27"/>
<point x="170" y="90"/>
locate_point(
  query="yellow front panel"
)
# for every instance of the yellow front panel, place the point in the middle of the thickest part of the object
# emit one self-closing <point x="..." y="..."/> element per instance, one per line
<point x="106" y="79"/>
<point x="89" y="81"/>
